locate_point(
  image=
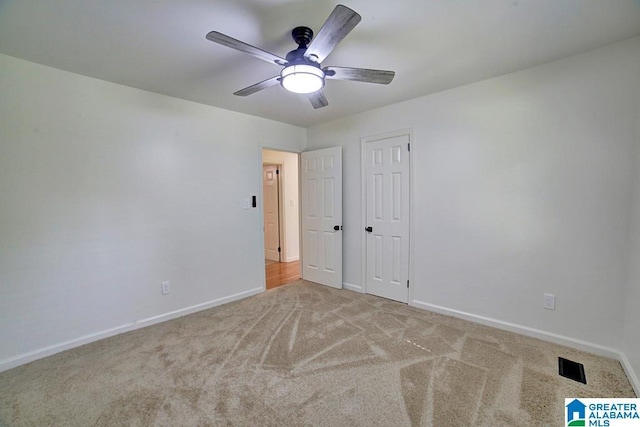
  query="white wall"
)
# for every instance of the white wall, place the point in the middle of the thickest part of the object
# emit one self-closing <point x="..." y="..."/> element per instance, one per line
<point x="522" y="186"/>
<point x="290" y="213"/>
<point x="106" y="191"/>
<point x="631" y="345"/>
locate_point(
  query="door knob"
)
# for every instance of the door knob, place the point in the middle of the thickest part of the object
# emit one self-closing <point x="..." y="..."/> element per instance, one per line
<point x="336" y="227"/>
<point x="368" y="229"/>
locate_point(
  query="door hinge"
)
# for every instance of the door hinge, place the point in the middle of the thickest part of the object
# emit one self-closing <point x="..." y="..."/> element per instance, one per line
<point x="281" y="249"/>
<point x="277" y="171"/>
<point x="407" y="284"/>
<point x="409" y="146"/>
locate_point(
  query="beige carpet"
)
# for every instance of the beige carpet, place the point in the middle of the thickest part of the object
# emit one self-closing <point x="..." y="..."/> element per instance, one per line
<point x="304" y="354"/>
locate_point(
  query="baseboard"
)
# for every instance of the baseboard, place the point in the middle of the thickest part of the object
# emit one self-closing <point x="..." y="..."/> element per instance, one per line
<point x="195" y="308"/>
<point x="21" y="359"/>
<point x="523" y="330"/>
<point x="631" y="373"/>
<point x="354" y="288"/>
<point x="294" y="258"/>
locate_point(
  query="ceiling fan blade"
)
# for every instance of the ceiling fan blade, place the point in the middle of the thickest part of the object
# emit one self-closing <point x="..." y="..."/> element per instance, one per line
<point x="340" y="23"/>
<point x="318" y="99"/>
<point x="359" y="74"/>
<point x="225" y="40"/>
<point x="258" y="86"/>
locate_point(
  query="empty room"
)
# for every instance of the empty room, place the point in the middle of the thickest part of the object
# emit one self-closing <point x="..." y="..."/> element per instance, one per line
<point x="453" y="185"/>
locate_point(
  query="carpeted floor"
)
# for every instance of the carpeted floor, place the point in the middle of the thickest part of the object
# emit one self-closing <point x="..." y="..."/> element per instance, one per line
<point x="305" y="354"/>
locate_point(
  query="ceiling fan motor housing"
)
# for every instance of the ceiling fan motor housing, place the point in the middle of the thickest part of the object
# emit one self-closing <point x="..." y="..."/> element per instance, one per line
<point x="301" y="74"/>
<point x="302" y="36"/>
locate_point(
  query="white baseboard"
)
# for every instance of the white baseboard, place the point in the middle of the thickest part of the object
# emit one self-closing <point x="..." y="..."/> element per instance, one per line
<point x="546" y="336"/>
<point x="21" y="359"/>
<point x="631" y="373"/>
<point x="524" y="330"/>
<point x="30" y="356"/>
<point x="354" y="288"/>
<point x="198" y="307"/>
<point x="293" y="258"/>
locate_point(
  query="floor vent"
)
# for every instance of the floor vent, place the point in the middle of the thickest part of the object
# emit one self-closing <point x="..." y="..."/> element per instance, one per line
<point x="572" y="370"/>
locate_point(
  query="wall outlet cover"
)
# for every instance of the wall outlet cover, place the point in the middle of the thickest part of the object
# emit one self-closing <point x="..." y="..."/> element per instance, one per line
<point x="549" y="302"/>
<point x="166" y="288"/>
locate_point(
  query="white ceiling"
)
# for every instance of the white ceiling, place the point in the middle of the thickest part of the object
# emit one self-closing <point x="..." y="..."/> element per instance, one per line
<point x="160" y="45"/>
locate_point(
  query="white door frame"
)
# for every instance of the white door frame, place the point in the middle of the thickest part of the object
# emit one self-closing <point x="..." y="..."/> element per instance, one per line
<point x="260" y="204"/>
<point x="363" y="205"/>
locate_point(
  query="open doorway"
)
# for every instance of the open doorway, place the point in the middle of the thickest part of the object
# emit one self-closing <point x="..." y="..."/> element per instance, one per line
<point x="281" y="217"/>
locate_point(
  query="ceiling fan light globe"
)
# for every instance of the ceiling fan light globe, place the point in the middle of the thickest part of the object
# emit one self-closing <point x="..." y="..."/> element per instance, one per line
<point x="302" y="78"/>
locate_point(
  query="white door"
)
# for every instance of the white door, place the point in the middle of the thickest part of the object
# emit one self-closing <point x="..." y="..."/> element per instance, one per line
<point x="386" y="176"/>
<point x="321" y="177"/>
<point x="270" y="194"/>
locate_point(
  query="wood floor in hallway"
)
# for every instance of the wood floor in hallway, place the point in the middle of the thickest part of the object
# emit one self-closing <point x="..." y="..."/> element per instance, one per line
<point x="280" y="273"/>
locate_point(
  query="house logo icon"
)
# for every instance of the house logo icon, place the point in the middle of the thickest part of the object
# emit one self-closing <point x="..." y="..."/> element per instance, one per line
<point x="576" y="413"/>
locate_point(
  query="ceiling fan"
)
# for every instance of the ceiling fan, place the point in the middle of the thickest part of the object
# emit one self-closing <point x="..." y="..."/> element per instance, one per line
<point x="302" y="72"/>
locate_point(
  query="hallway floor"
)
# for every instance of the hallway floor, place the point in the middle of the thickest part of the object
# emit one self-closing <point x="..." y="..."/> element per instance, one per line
<point x="280" y="273"/>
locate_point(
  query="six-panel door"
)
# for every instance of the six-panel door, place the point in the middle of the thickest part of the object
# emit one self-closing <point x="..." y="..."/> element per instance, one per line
<point x="387" y="213"/>
<point x="321" y="176"/>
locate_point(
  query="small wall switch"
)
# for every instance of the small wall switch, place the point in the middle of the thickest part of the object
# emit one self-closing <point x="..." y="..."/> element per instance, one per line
<point x="247" y="203"/>
<point x="549" y="302"/>
<point x="166" y="288"/>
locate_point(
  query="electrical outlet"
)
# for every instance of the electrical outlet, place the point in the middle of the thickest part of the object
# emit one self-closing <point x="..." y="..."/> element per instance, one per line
<point x="166" y="288"/>
<point x="549" y="302"/>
